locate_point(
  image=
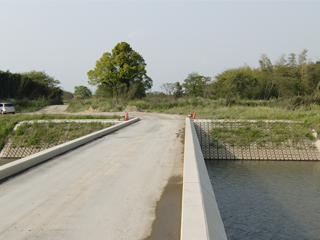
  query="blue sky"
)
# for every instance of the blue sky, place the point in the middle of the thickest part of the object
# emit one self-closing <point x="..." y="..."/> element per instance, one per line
<point x="65" y="38"/>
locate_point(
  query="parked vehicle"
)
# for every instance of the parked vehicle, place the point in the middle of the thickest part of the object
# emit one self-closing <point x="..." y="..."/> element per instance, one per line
<point x="7" y="108"/>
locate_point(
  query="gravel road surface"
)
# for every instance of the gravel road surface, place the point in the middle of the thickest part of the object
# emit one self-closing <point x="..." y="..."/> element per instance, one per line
<point x="126" y="185"/>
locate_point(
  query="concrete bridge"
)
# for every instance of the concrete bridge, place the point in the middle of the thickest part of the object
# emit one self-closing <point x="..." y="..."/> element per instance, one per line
<point x="146" y="180"/>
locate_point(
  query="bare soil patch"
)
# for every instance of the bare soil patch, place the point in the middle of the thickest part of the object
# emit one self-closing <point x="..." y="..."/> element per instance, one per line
<point x="132" y="109"/>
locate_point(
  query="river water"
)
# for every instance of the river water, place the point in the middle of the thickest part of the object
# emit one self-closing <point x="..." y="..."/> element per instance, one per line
<point x="268" y="199"/>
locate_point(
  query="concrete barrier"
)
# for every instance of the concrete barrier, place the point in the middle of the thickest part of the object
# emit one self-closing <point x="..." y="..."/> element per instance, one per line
<point x="17" y="166"/>
<point x="200" y="213"/>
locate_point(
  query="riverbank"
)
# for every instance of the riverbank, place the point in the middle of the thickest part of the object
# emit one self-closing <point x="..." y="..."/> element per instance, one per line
<point x="8" y="122"/>
<point x="257" y="140"/>
<point x="208" y="108"/>
<point x="30" y="137"/>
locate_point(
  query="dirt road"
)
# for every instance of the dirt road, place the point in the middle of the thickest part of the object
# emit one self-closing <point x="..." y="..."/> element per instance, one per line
<point x="54" y="109"/>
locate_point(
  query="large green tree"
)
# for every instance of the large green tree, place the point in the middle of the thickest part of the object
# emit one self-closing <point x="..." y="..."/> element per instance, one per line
<point x="195" y="85"/>
<point x="82" y="91"/>
<point x="240" y="82"/>
<point x="122" y="71"/>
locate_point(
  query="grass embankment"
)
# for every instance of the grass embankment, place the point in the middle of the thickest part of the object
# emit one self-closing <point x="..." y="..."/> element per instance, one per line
<point x="7" y="122"/>
<point x="295" y="109"/>
<point x="280" y="134"/>
<point x="163" y="105"/>
<point x="48" y="134"/>
<point x="212" y="109"/>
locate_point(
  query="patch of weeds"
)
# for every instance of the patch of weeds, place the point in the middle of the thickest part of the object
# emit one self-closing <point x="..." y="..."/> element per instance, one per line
<point x="7" y="122"/>
<point x="22" y="129"/>
<point x="243" y="134"/>
<point x="47" y="134"/>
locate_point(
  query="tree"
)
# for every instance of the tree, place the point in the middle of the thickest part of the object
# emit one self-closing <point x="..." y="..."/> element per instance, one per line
<point x="303" y="57"/>
<point x="280" y="66"/>
<point x="43" y="78"/>
<point x="20" y="86"/>
<point x="302" y="61"/>
<point x="292" y="61"/>
<point x="293" y="69"/>
<point x="312" y="76"/>
<point x="82" y="91"/>
<point x="67" y="95"/>
<point x="174" y="89"/>
<point x="244" y="84"/>
<point x="240" y="82"/>
<point x="122" y="71"/>
<point x="178" y="92"/>
<point x="168" y="88"/>
<point x="265" y="63"/>
<point x="102" y="91"/>
<point x="195" y="84"/>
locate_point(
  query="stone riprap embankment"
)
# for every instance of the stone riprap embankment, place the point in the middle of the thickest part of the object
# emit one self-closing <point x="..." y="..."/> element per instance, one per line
<point x="305" y="149"/>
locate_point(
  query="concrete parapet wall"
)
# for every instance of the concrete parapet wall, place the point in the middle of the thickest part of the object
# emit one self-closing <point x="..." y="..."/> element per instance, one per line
<point x="200" y="213"/>
<point x="19" y="165"/>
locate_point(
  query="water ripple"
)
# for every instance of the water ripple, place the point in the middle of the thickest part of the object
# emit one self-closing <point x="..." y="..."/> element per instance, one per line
<point x="268" y="200"/>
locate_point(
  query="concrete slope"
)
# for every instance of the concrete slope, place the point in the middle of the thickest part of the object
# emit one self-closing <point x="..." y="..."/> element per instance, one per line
<point x="110" y="188"/>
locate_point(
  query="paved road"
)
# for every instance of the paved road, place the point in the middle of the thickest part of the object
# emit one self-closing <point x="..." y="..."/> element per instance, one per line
<point x="126" y="185"/>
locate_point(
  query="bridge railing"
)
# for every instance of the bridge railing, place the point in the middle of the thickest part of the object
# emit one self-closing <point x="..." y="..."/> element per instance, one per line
<point x="200" y="213"/>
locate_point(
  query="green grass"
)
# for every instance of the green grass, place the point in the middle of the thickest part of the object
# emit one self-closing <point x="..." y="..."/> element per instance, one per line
<point x="259" y="133"/>
<point x="242" y="134"/>
<point x="7" y="122"/>
<point x="102" y="105"/>
<point x="47" y="134"/>
<point x="282" y="109"/>
<point x="165" y="105"/>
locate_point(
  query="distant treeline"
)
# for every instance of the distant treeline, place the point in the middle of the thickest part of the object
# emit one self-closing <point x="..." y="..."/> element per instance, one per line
<point x="32" y="85"/>
<point x="289" y="76"/>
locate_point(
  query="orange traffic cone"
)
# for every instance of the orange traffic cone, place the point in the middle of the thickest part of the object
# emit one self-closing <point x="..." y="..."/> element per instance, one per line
<point x="194" y="115"/>
<point x="126" y="116"/>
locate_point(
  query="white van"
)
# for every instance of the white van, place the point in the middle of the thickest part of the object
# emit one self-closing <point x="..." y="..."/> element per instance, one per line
<point x="7" y="108"/>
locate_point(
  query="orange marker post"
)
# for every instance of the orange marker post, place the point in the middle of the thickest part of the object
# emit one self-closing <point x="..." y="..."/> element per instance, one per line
<point x="126" y="116"/>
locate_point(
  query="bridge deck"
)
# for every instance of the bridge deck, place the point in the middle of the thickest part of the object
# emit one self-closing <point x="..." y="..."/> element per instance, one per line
<point x="126" y="185"/>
